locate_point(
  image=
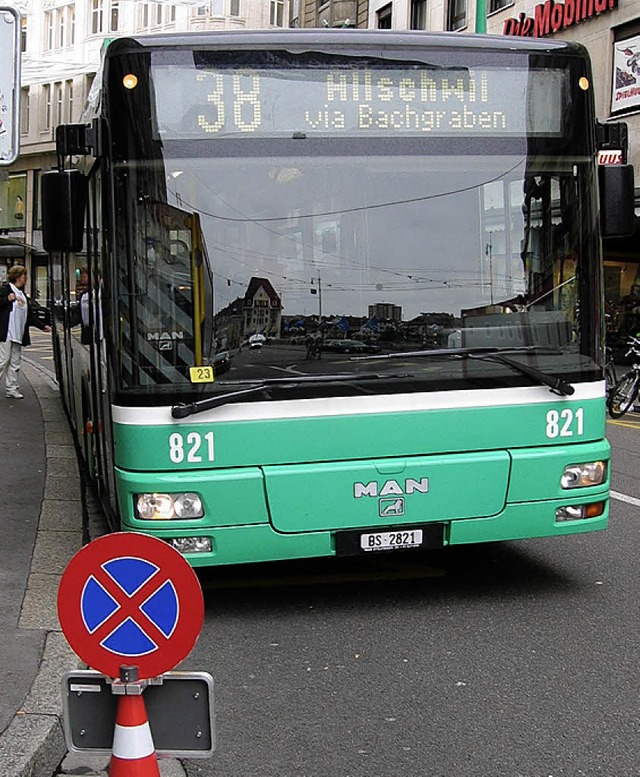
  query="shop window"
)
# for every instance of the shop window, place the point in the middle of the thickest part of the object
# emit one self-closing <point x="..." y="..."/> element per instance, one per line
<point x="13" y="196"/>
<point x="622" y="300"/>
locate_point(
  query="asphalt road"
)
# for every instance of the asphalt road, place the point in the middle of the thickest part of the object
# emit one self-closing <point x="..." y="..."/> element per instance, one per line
<point x="505" y="660"/>
<point x="514" y="659"/>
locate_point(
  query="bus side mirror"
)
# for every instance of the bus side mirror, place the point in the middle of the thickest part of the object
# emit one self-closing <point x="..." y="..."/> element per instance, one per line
<point x="617" y="214"/>
<point x="64" y="201"/>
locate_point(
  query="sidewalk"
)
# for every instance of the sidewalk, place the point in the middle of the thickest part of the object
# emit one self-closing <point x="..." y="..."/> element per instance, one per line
<point x="41" y="525"/>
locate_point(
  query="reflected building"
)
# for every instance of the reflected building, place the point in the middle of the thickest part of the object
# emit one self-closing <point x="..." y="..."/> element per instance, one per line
<point x="385" y="311"/>
<point x="259" y="311"/>
<point x="262" y="309"/>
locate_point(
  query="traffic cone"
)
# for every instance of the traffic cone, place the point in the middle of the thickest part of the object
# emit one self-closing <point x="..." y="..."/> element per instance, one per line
<point x="133" y="753"/>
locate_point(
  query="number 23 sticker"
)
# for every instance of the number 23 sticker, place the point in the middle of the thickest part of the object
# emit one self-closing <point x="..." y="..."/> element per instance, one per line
<point x="565" y="423"/>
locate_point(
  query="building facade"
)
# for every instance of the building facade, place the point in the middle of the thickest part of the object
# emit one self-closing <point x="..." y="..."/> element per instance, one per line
<point x="610" y="31"/>
<point x="62" y="43"/>
<point x="329" y="13"/>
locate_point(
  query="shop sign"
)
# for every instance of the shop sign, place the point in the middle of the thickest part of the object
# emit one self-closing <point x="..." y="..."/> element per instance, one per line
<point x="610" y="157"/>
<point x="626" y="74"/>
<point x="551" y="17"/>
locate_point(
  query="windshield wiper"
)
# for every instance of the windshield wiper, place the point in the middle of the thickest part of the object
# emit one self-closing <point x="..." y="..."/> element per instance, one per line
<point x="556" y="385"/>
<point x="489" y="353"/>
<point x="184" y="409"/>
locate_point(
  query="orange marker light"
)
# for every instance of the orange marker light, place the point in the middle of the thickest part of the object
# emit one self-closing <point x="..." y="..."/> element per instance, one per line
<point x="130" y="81"/>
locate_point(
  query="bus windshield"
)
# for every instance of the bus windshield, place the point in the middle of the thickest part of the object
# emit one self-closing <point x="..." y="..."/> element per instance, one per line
<point x="276" y="234"/>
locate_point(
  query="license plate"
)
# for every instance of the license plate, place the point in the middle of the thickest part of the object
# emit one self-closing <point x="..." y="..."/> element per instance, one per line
<point x="423" y="536"/>
<point x="391" y="540"/>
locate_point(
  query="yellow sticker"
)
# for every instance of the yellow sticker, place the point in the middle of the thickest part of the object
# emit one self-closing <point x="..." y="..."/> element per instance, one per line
<point x="201" y="374"/>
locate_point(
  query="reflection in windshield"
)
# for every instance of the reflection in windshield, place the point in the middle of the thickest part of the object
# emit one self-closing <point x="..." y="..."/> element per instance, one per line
<point x="383" y="255"/>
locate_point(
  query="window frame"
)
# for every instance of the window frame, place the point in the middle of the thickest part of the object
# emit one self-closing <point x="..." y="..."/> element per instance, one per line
<point x="58" y="103"/>
<point x="68" y="89"/>
<point x="25" y="110"/>
<point x="456" y="21"/>
<point x="46" y="108"/>
<point x="276" y="13"/>
<point x="418" y="11"/>
<point x="49" y="30"/>
<point x="498" y="5"/>
<point x="385" y="14"/>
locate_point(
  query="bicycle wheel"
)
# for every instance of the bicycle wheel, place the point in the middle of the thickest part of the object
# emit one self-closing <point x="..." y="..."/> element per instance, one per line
<point x="610" y="379"/>
<point x="623" y="395"/>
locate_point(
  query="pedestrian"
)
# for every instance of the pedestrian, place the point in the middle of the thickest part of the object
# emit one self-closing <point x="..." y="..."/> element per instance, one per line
<point x="16" y="316"/>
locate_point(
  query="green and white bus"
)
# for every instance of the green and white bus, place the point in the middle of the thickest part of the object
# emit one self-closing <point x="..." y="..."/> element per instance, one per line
<point x="322" y="293"/>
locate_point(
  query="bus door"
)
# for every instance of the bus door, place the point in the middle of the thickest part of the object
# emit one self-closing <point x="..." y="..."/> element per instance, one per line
<point x="63" y="289"/>
<point x="94" y="384"/>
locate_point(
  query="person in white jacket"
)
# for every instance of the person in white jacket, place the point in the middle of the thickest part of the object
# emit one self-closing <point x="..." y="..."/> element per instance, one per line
<point x="16" y="316"/>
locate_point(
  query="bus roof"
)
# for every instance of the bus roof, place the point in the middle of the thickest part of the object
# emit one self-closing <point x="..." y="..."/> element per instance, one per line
<point x="343" y="38"/>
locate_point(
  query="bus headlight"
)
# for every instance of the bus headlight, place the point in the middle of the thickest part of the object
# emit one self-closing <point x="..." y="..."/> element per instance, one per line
<point x="580" y="475"/>
<point x="188" y="506"/>
<point x="191" y="544"/>
<point x="165" y="507"/>
<point x="579" y="512"/>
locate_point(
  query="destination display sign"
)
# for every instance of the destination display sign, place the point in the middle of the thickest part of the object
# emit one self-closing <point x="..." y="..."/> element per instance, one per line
<point x="307" y="102"/>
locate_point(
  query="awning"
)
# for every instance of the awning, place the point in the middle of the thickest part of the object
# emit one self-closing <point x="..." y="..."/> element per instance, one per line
<point x="12" y="248"/>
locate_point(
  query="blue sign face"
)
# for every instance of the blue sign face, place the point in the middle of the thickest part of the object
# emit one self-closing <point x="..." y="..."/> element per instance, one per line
<point x="136" y="621"/>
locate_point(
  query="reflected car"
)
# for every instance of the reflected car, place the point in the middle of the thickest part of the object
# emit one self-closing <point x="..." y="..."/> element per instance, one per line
<point x="257" y="341"/>
<point x="221" y="362"/>
<point x="350" y="346"/>
<point x="42" y="313"/>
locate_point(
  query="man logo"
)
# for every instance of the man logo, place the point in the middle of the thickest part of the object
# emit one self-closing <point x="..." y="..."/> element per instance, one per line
<point x="391" y="488"/>
<point x="390" y="507"/>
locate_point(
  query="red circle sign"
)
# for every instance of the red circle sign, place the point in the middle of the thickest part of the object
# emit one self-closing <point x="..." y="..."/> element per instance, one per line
<point x="130" y="599"/>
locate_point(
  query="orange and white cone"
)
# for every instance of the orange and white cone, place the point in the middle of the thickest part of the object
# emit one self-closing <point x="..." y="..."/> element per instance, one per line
<point x="133" y="753"/>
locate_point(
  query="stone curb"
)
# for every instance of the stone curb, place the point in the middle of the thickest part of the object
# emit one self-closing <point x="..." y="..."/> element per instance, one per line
<point x="33" y="743"/>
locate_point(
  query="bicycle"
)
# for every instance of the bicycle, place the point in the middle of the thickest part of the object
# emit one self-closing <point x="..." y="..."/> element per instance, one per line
<point x="625" y="391"/>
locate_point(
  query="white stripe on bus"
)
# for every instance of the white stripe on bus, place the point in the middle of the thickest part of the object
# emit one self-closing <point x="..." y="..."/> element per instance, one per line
<point x="351" y="406"/>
